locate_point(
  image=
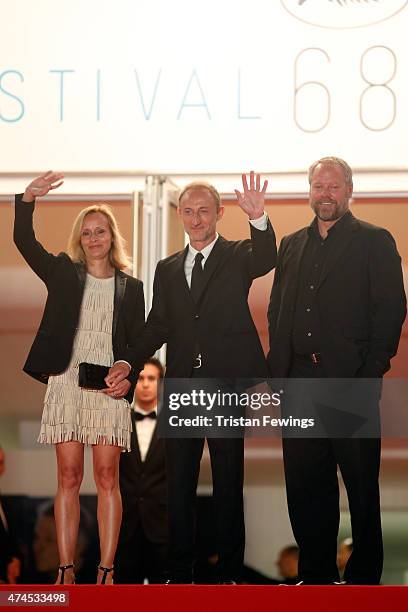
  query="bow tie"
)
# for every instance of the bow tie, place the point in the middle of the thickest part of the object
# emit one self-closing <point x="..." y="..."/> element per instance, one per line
<point x="150" y="415"/>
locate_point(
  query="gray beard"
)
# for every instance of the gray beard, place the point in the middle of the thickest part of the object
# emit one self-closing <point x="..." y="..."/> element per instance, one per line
<point x="336" y="213"/>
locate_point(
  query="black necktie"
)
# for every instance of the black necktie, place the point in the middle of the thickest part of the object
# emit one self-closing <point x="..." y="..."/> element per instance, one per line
<point x="150" y="415"/>
<point x="197" y="277"/>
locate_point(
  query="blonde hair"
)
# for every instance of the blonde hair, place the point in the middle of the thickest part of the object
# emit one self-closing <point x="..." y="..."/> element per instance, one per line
<point x="202" y="185"/>
<point x="333" y="161"/>
<point x="118" y="256"/>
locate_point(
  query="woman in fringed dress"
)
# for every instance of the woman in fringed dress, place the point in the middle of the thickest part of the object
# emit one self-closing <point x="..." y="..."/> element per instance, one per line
<point x="93" y="311"/>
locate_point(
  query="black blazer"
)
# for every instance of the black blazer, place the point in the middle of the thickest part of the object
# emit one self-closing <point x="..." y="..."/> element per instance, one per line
<point x="143" y="486"/>
<point x="65" y="281"/>
<point x="360" y="298"/>
<point x="220" y="324"/>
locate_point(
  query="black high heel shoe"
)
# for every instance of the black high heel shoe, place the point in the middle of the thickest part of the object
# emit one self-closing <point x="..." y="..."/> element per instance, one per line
<point x="106" y="571"/>
<point x="63" y="569"/>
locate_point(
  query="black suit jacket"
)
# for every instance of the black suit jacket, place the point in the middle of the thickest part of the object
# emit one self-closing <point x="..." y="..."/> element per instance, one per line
<point x="360" y="298"/>
<point x="143" y="486"/>
<point x="220" y="324"/>
<point x="65" y="281"/>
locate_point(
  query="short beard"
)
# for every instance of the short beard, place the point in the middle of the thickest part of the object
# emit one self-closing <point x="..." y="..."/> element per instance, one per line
<point x="339" y="208"/>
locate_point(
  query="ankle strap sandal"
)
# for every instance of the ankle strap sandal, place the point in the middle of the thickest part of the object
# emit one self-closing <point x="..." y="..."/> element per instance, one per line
<point x="63" y="569"/>
<point x="106" y="571"/>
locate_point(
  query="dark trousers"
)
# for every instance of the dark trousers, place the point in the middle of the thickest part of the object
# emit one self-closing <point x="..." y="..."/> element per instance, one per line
<point x="183" y="467"/>
<point x="313" y="501"/>
<point x="138" y="558"/>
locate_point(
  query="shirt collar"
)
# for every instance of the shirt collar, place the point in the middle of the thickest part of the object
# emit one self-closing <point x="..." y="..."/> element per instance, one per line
<point x="314" y="228"/>
<point x="141" y="411"/>
<point x="205" y="251"/>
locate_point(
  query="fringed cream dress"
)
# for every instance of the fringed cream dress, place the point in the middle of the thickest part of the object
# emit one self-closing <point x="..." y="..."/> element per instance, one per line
<point x="72" y="413"/>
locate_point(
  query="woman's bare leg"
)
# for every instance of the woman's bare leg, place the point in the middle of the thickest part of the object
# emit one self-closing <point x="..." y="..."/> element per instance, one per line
<point x="106" y="474"/>
<point x="70" y="464"/>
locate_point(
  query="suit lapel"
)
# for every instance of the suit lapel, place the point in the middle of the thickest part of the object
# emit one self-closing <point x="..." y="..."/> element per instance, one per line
<point x="296" y="254"/>
<point x="218" y="254"/>
<point x="153" y="442"/>
<point x="214" y="261"/>
<point x="134" y="440"/>
<point x="81" y="274"/>
<point x="181" y="286"/>
<point x="340" y="246"/>
<point x="120" y="287"/>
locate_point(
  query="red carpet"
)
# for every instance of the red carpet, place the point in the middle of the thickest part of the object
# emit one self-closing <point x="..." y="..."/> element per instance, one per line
<point x="214" y="598"/>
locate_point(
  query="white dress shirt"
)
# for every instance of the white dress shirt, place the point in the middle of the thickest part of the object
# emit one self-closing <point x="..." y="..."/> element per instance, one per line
<point x="260" y="224"/>
<point x="144" y="431"/>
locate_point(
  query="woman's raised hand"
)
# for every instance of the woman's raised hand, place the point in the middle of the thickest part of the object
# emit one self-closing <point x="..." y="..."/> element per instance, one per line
<point x="41" y="185"/>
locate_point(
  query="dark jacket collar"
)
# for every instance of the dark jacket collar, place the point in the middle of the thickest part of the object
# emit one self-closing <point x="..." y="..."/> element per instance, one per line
<point x="214" y="260"/>
<point x="342" y="225"/>
<point x="120" y="287"/>
<point x="347" y="228"/>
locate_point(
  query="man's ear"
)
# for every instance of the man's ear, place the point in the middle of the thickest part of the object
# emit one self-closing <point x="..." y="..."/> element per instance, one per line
<point x="220" y="212"/>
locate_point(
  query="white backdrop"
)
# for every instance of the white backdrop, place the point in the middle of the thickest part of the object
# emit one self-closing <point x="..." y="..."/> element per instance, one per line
<point x="182" y="86"/>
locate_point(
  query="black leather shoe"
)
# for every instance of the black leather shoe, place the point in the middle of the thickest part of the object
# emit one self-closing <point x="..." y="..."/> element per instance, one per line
<point x="302" y="582"/>
<point x="178" y="581"/>
<point x="228" y="582"/>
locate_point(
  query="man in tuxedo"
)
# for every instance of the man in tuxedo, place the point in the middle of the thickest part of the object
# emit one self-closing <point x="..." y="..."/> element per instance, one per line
<point x="142" y="548"/>
<point x="200" y="308"/>
<point x="10" y="563"/>
<point x="336" y="311"/>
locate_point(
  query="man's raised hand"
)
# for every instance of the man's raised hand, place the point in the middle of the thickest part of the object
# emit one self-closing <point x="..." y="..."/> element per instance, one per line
<point x="252" y="201"/>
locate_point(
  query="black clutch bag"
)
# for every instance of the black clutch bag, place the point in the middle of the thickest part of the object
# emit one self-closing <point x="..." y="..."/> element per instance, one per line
<point x="92" y="376"/>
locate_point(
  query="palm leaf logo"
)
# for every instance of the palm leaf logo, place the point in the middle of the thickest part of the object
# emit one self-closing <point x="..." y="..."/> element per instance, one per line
<point x="344" y="14"/>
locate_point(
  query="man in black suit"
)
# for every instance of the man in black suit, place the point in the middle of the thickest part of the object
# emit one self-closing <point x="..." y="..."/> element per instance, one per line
<point x="142" y="548"/>
<point x="200" y="308"/>
<point x="336" y="311"/>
